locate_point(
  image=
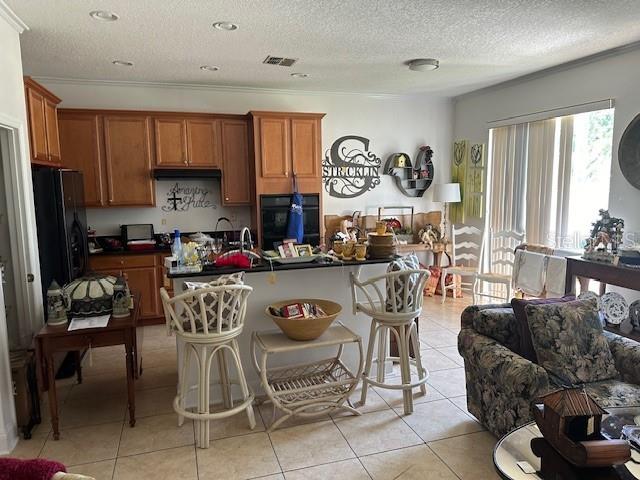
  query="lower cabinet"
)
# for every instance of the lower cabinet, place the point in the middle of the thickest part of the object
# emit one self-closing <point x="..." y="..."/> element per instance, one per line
<point x="144" y="275"/>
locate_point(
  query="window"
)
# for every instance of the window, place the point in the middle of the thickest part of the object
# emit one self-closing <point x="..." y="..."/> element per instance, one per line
<point x="550" y="177"/>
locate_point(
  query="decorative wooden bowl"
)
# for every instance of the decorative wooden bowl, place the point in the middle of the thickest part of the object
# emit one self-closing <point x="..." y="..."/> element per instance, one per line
<point x="382" y="246"/>
<point x="306" y="328"/>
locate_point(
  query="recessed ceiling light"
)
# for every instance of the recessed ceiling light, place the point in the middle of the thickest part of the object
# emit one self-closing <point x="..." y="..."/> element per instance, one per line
<point x="300" y="75"/>
<point x="209" y="68"/>
<point x="123" y="63"/>
<point x="423" y="64"/>
<point x="228" y="26"/>
<point x="104" y="16"/>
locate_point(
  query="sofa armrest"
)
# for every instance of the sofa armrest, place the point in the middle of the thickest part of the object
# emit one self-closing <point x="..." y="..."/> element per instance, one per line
<point x="507" y="368"/>
<point x="626" y="354"/>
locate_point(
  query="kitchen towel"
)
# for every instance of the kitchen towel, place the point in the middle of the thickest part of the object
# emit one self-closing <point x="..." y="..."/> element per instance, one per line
<point x="556" y="276"/>
<point x="295" y="227"/>
<point x="529" y="272"/>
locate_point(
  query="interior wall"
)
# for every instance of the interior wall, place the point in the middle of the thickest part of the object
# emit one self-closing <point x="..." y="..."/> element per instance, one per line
<point x="611" y="77"/>
<point x="392" y="123"/>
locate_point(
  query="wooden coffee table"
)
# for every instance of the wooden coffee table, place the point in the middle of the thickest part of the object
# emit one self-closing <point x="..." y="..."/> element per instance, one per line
<point x="515" y="447"/>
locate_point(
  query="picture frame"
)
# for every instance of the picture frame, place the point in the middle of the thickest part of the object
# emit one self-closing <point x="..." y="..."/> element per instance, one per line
<point x="304" y="250"/>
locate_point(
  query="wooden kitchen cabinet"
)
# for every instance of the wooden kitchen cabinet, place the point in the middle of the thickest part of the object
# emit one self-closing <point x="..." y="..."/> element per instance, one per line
<point x="143" y="274"/>
<point x="187" y="142"/>
<point x="43" y="124"/>
<point x="82" y="147"/>
<point x="237" y="185"/>
<point x="287" y="144"/>
<point x="128" y="160"/>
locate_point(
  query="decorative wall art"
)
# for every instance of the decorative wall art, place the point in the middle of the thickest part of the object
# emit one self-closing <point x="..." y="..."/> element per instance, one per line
<point x="474" y="188"/>
<point x="629" y="153"/>
<point x="458" y="175"/>
<point x="349" y="169"/>
<point x="181" y="198"/>
<point x="412" y="180"/>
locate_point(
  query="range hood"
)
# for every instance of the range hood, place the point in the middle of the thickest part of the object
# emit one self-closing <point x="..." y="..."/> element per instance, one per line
<point x="170" y="173"/>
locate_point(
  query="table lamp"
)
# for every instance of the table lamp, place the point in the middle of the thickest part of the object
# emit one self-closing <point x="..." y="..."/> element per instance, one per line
<point x="446" y="193"/>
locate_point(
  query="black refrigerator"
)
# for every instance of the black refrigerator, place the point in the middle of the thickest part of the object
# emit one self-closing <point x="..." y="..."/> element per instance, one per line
<point x="61" y="221"/>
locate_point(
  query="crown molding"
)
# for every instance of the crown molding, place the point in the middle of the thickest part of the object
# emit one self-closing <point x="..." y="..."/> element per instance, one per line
<point x="612" y="52"/>
<point x="218" y="88"/>
<point x="11" y="18"/>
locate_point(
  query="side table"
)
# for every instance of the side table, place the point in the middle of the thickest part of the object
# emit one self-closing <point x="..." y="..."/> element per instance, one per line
<point x="322" y="386"/>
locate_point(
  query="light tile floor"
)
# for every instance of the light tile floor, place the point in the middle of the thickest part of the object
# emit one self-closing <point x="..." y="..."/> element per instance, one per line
<point x="440" y="440"/>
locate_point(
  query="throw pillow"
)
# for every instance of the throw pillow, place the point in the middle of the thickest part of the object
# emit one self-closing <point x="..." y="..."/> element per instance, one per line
<point x="525" y="348"/>
<point x="569" y="342"/>
<point x="498" y="323"/>
<point x="211" y="301"/>
<point x="408" y="262"/>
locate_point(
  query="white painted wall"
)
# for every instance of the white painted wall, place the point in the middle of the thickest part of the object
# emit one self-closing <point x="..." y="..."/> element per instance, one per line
<point x="392" y="123"/>
<point x="613" y="77"/>
<point x="107" y="221"/>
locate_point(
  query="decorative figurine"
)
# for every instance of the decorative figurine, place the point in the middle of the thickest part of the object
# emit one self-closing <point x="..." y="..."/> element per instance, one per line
<point x="429" y="235"/>
<point x="57" y="304"/>
<point x="121" y="298"/>
<point x="605" y="239"/>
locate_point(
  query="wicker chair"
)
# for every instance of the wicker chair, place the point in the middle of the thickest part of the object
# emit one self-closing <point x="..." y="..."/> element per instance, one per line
<point x="208" y="320"/>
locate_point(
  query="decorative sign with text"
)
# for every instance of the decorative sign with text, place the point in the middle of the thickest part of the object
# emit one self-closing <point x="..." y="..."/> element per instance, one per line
<point x="349" y="169"/>
<point x="181" y="198"/>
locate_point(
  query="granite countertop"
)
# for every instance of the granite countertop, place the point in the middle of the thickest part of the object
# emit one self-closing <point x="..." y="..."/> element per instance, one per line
<point x="132" y="252"/>
<point x="264" y="266"/>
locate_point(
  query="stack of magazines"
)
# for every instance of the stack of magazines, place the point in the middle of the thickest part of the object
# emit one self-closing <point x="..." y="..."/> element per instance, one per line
<point x="298" y="311"/>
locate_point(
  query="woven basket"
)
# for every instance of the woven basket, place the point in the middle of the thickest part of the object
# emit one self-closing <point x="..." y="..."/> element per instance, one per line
<point x="306" y="328"/>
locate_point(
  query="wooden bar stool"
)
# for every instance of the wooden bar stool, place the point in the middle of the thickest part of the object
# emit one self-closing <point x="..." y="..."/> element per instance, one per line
<point x="208" y="320"/>
<point x="393" y="312"/>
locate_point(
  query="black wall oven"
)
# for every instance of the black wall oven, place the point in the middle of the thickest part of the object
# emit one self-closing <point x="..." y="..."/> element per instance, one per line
<point x="274" y="213"/>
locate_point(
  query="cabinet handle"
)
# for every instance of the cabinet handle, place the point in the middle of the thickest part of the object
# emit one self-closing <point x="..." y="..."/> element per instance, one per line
<point x="226" y="198"/>
<point x="186" y="162"/>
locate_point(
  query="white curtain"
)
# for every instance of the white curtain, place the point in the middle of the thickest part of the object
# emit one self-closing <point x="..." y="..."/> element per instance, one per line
<point x="508" y="178"/>
<point x="539" y="203"/>
<point x="564" y="180"/>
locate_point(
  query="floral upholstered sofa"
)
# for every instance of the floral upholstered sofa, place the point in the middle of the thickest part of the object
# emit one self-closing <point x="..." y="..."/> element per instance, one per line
<point x="502" y="385"/>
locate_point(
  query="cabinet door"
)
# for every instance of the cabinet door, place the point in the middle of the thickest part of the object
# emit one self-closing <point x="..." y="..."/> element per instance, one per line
<point x="171" y="142"/>
<point x="145" y="281"/>
<point x="81" y="146"/>
<point x="203" y="143"/>
<point x="51" y="124"/>
<point x="37" y="126"/>
<point x="128" y="161"/>
<point x="236" y="174"/>
<point x="305" y="147"/>
<point x="274" y="144"/>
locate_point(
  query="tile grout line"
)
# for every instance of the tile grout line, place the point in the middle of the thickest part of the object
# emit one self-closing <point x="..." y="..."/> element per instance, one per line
<point x="349" y="445"/>
<point x="270" y="441"/>
<point x="445" y="463"/>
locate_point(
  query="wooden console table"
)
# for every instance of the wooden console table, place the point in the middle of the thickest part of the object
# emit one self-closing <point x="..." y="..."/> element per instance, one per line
<point x="608" y="274"/>
<point x="119" y="331"/>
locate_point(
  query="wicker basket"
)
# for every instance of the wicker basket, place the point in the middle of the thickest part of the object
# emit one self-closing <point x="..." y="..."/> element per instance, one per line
<point x="306" y="328"/>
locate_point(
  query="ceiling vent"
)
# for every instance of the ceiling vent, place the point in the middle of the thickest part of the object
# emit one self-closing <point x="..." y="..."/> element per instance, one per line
<point x="280" y="61"/>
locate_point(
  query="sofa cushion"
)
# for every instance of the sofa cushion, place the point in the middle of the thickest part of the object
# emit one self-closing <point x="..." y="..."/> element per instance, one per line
<point x="614" y="393"/>
<point x="569" y="343"/>
<point x="522" y="326"/>
<point x="498" y="323"/>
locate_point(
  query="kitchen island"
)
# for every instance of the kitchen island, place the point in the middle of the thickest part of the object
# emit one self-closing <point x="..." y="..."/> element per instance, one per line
<point x="273" y="283"/>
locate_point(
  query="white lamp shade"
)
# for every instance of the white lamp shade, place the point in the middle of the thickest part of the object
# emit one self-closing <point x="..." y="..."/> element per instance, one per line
<point x="446" y="193"/>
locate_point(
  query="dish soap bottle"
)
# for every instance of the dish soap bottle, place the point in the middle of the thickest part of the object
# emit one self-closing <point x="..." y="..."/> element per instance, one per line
<point x="176" y="248"/>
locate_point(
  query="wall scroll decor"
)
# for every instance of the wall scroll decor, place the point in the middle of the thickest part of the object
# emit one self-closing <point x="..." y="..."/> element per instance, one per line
<point x="473" y="198"/>
<point x="412" y="180"/>
<point x="180" y="198"/>
<point x="458" y="172"/>
<point x="629" y="154"/>
<point x="349" y="169"/>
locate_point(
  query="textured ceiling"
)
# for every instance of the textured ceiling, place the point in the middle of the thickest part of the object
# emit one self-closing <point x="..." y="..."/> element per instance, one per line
<point x="345" y="45"/>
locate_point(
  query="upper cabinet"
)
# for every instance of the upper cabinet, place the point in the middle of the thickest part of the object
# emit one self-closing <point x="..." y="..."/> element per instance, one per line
<point x="237" y="184"/>
<point x="82" y="145"/>
<point x="43" y="124"/>
<point x="128" y="161"/>
<point x="188" y="142"/>
<point x="287" y="145"/>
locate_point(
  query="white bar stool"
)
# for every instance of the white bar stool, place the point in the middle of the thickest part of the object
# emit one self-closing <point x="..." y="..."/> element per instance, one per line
<point x="394" y="312"/>
<point x="208" y="320"/>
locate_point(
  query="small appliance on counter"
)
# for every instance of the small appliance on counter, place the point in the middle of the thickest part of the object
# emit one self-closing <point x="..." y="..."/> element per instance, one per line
<point x="138" y="236"/>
